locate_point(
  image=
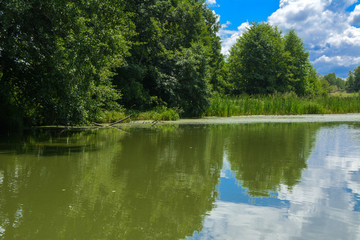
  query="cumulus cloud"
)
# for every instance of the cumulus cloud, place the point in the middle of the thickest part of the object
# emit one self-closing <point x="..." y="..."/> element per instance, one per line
<point x="344" y="61"/>
<point x="333" y="170"/>
<point x="229" y="37"/>
<point x="211" y="2"/>
<point x="330" y="32"/>
<point x="354" y="18"/>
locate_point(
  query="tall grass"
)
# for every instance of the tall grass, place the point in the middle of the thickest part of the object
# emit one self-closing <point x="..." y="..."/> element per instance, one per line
<point x="288" y="104"/>
<point x="159" y="113"/>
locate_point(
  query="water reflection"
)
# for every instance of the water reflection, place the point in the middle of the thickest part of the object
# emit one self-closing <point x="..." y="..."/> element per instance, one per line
<point x="248" y="181"/>
<point x="263" y="156"/>
<point x="150" y="184"/>
<point x="323" y="205"/>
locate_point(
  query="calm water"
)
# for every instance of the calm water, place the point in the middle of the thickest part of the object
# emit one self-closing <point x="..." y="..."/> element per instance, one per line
<point x="238" y="181"/>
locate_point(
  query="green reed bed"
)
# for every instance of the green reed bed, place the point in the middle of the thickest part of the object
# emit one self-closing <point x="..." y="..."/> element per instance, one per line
<point x="158" y="114"/>
<point x="282" y="105"/>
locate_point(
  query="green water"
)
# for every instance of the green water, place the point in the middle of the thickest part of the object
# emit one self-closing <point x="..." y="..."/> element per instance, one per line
<point x="223" y="181"/>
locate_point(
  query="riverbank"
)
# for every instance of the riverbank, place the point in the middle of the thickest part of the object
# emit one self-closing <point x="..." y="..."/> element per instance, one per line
<point x="309" y="118"/>
<point x="285" y="104"/>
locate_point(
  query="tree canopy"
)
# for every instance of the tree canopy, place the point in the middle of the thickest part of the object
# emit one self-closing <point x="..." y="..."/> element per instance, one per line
<point x="175" y="59"/>
<point x="66" y="62"/>
<point x="353" y="80"/>
<point x="56" y="57"/>
<point x="335" y="83"/>
<point x="263" y="61"/>
<point x="69" y="62"/>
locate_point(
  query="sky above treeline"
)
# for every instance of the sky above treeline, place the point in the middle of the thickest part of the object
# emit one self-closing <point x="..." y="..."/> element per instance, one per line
<point x="330" y="28"/>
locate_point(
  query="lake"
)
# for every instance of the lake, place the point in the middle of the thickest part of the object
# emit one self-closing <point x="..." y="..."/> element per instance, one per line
<point x="187" y="181"/>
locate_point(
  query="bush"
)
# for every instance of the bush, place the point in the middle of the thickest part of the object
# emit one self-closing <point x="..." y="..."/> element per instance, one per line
<point x="110" y="116"/>
<point x="160" y="113"/>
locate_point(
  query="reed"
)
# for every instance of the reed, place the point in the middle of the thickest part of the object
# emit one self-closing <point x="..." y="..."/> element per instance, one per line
<point x="286" y="104"/>
<point x="160" y="113"/>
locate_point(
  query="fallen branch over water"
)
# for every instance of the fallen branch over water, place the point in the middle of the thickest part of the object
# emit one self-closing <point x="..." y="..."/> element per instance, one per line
<point x="98" y="124"/>
<point x="111" y="124"/>
<point x="124" y="119"/>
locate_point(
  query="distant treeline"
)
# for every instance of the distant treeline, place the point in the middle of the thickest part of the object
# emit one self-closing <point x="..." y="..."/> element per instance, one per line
<point x="71" y="62"/>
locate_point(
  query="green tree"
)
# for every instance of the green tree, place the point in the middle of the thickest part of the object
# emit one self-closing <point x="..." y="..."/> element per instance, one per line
<point x="167" y="30"/>
<point x="298" y="62"/>
<point x="325" y="85"/>
<point x="336" y="83"/>
<point x="314" y="85"/>
<point x="258" y="61"/>
<point x="350" y="82"/>
<point x="356" y="73"/>
<point x="56" y="57"/>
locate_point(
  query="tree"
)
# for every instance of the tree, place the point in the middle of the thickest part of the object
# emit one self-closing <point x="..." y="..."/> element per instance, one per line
<point x="298" y="62"/>
<point x="356" y="73"/>
<point x="193" y="88"/>
<point x="57" y="57"/>
<point x="166" y="32"/>
<point x="336" y="83"/>
<point x="313" y="83"/>
<point x="350" y="82"/>
<point x="258" y="61"/>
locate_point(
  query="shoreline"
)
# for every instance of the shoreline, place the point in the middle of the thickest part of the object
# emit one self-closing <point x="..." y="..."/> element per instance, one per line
<point x="306" y="118"/>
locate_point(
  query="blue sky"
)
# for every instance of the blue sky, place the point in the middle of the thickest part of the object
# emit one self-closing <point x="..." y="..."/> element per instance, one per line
<point x="330" y="28"/>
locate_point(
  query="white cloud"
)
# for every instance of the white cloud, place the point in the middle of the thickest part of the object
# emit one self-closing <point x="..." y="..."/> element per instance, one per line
<point x="211" y="2"/>
<point x="331" y="34"/>
<point x="229" y="37"/>
<point x="327" y="29"/>
<point x="343" y="61"/>
<point x="319" y="207"/>
<point x="354" y="18"/>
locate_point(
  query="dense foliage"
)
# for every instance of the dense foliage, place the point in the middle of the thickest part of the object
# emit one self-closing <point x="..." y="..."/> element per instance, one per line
<point x="263" y="61"/>
<point x="353" y="81"/>
<point x="175" y="59"/>
<point x="56" y="58"/>
<point x="333" y="83"/>
<point x="72" y="62"/>
<point x="67" y="62"/>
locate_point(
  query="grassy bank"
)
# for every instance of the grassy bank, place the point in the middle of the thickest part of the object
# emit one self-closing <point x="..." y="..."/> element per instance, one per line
<point x="282" y="105"/>
<point x="159" y="113"/>
<point x="251" y="105"/>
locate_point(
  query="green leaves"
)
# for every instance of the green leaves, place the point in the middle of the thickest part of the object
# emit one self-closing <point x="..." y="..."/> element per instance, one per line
<point x="176" y="59"/>
<point x="58" y="57"/>
<point x="66" y="62"/>
<point x="256" y="61"/>
<point x="353" y="80"/>
<point x="264" y="62"/>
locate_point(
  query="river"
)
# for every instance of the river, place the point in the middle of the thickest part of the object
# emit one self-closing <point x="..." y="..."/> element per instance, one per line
<point x="220" y="180"/>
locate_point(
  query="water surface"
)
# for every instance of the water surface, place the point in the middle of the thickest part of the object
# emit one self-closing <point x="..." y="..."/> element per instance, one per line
<point x="223" y="181"/>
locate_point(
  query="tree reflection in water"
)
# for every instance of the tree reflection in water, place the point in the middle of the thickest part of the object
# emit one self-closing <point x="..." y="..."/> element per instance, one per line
<point x="263" y="156"/>
<point x="150" y="184"/>
<point x="156" y="183"/>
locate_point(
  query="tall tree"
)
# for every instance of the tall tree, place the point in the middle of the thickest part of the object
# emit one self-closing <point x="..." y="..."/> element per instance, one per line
<point x="350" y="82"/>
<point x="298" y="62"/>
<point x="167" y="30"/>
<point x="313" y="81"/>
<point x="335" y="82"/>
<point x="258" y="61"/>
<point x="356" y="72"/>
<point x="264" y="62"/>
<point x="56" y="57"/>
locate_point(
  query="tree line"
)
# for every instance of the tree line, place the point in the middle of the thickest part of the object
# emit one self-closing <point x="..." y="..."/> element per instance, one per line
<point x="68" y="62"/>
